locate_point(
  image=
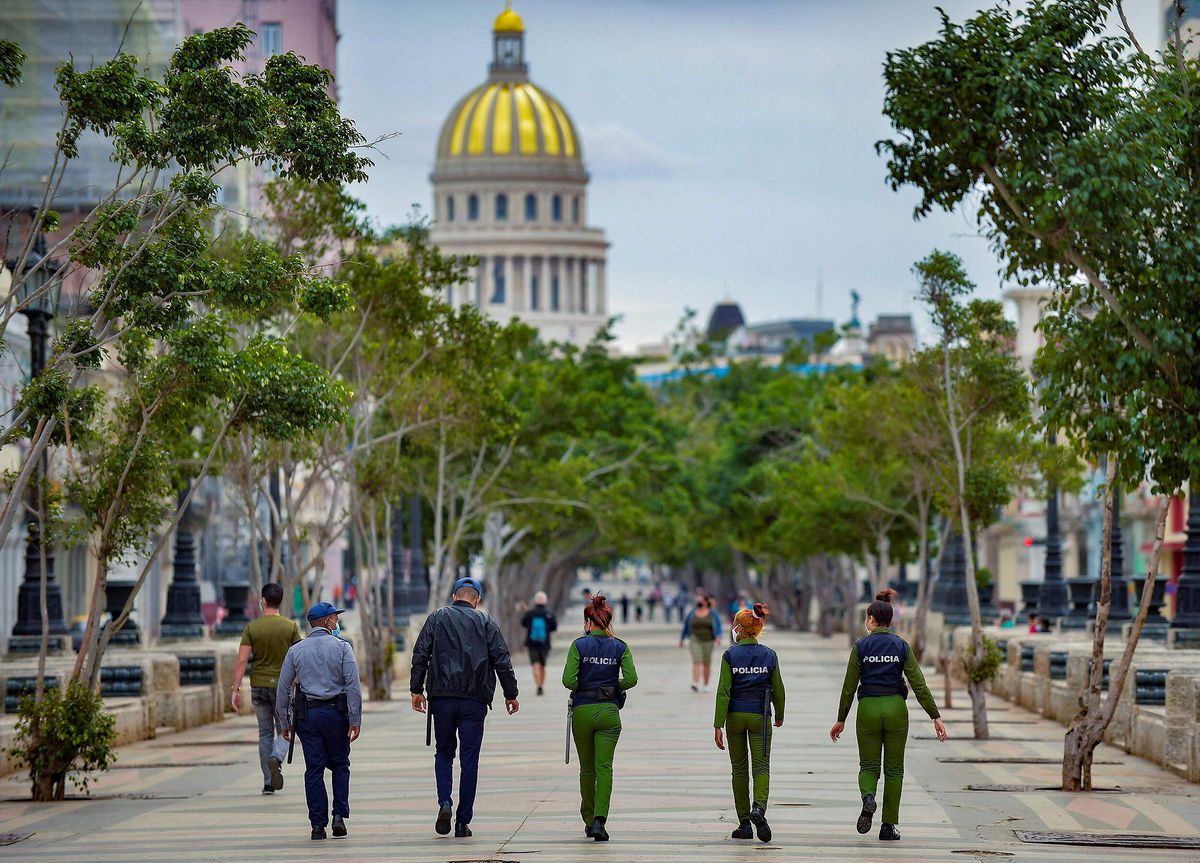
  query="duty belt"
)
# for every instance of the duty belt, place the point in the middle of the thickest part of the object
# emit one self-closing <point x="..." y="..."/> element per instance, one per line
<point x="606" y="693"/>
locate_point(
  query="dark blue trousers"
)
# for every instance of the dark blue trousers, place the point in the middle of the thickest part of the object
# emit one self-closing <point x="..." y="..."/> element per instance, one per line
<point x="323" y="735"/>
<point x="458" y="721"/>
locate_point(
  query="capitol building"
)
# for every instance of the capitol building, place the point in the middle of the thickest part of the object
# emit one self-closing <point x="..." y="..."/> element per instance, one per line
<point x="510" y="188"/>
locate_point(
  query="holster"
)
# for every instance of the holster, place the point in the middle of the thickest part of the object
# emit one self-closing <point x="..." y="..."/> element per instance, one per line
<point x="301" y="708"/>
<point x="343" y="704"/>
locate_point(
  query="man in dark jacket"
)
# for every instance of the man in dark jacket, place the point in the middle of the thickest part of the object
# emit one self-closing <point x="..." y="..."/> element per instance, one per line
<point x="456" y="660"/>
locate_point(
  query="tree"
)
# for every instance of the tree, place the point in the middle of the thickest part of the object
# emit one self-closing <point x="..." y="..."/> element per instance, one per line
<point x="164" y="302"/>
<point x="1080" y="153"/>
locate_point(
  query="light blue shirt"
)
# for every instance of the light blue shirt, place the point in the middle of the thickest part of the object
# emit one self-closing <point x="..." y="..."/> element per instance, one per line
<point x="325" y="667"/>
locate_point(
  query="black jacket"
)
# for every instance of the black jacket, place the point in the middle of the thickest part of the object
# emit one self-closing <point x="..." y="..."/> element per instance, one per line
<point x="460" y="653"/>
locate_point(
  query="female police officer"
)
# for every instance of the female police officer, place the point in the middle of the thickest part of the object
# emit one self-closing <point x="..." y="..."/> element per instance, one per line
<point x="749" y="685"/>
<point x="598" y="670"/>
<point x="879" y="662"/>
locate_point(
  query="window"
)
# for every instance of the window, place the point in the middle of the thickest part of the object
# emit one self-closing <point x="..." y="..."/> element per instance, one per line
<point x="501" y="207"/>
<point x="450" y="208"/>
<point x="473" y="208"/>
<point x="556" y="208"/>
<point x="534" y="299"/>
<point x="531" y="208"/>
<point x="554" y="293"/>
<point x="271" y="36"/>
<point x="498" y="281"/>
<point x="575" y="209"/>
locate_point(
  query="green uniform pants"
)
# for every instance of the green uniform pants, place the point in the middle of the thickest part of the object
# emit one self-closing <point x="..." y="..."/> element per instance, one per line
<point x="748" y="754"/>
<point x="882" y="726"/>
<point x="596" y="728"/>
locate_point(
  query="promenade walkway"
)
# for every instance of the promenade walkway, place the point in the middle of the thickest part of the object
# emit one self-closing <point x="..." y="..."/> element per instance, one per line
<point x="194" y="796"/>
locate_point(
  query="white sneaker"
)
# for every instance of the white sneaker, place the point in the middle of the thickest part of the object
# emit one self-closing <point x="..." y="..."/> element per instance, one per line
<point x="708" y="689"/>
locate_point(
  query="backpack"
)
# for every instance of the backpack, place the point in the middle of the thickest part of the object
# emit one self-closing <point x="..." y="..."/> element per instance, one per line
<point x="537" y="629"/>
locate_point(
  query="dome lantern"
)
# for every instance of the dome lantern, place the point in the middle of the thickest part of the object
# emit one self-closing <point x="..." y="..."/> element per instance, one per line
<point x="508" y="45"/>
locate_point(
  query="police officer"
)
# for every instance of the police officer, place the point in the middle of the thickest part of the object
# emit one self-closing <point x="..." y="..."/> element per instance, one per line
<point x="456" y="660"/>
<point x="879" y="663"/>
<point x="749" y="686"/>
<point x="328" y="712"/>
<point x="598" y="670"/>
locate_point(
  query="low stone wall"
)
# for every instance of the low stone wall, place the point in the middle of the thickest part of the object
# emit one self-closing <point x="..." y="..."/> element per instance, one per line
<point x="1047" y="673"/>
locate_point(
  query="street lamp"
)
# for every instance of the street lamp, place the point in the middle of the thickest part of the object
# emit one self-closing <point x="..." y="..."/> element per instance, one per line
<point x="1186" y="622"/>
<point x="39" y="285"/>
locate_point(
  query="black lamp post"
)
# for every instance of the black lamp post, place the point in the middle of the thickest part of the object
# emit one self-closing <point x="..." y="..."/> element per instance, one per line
<point x="950" y="594"/>
<point x="1119" y="610"/>
<point x="1052" y="602"/>
<point x="40" y="284"/>
<point x="184" y="620"/>
<point x="1186" y="622"/>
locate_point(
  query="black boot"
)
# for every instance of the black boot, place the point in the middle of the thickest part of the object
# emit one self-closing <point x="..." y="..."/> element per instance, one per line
<point x="598" y="831"/>
<point x="868" y="812"/>
<point x="744" y="831"/>
<point x="888" y="833"/>
<point x="318" y="833"/>
<point x="758" y="817"/>
<point x="442" y="825"/>
<point x="339" y="827"/>
<point x="461" y="831"/>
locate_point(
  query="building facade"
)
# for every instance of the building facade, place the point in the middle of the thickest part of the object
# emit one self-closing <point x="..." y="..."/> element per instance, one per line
<point x="510" y="188"/>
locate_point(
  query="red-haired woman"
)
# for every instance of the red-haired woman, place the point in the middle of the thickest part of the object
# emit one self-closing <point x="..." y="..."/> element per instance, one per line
<point x="598" y="670"/>
<point x="749" y="685"/>
<point x="879" y="663"/>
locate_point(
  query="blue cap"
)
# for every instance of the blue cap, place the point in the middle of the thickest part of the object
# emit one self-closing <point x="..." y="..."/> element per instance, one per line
<point x="323" y="609"/>
<point x="468" y="582"/>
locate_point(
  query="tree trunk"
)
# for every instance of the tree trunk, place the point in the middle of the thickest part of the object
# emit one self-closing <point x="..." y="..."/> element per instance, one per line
<point x="1088" y="727"/>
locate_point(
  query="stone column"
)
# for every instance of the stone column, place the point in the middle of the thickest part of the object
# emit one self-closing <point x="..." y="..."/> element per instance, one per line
<point x="481" y="282"/>
<point x="601" y="288"/>
<point x="585" y="303"/>
<point x="509" y="285"/>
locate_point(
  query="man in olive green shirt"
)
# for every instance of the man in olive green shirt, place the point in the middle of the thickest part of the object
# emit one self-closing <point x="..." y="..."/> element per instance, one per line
<point x="268" y="638"/>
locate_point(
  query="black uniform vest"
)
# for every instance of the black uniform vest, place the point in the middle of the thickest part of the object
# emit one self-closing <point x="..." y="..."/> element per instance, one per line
<point x="599" y="665"/>
<point x="752" y="666"/>
<point x="881" y="657"/>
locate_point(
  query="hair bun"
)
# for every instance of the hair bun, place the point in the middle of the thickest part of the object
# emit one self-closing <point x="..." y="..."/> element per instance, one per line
<point x="759" y="611"/>
<point x="599" y="600"/>
<point x="886" y="595"/>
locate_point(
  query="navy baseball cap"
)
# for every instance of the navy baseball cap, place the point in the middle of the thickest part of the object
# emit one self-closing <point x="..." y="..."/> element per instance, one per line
<point x="468" y="582"/>
<point x="323" y="609"/>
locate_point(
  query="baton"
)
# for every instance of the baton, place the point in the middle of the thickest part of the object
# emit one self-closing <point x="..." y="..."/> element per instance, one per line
<point x="570" y="708"/>
<point x="292" y="720"/>
<point x="428" y="723"/>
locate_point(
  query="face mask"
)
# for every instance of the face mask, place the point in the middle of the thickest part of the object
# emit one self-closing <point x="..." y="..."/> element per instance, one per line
<point x="337" y="630"/>
<point x="737" y="633"/>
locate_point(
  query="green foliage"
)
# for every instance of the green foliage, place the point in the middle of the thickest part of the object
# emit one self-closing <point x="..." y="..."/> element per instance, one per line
<point x="67" y="733"/>
<point x="987" y="666"/>
<point x="282" y="395"/>
<point x="1080" y="157"/>
<point x="12" y="58"/>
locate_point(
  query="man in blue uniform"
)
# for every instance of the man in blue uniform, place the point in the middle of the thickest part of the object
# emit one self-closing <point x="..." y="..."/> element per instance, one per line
<point x="328" y="714"/>
<point x="456" y="660"/>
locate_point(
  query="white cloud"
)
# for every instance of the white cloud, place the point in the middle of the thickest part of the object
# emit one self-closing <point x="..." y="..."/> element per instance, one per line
<point x="613" y="152"/>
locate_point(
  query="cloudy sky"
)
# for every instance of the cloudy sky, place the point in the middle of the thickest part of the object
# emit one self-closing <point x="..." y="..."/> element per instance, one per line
<point x="730" y="142"/>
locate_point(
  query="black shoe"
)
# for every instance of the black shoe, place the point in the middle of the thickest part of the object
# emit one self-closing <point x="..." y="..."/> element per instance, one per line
<point x="587" y="830"/>
<point x="318" y="833"/>
<point x="276" y="772"/>
<point x="540" y="692"/>
<point x="868" y="812"/>
<point x="598" y="832"/>
<point x="339" y="827"/>
<point x="442" y="825"/>
<point x="888" y="833"/>
<point x="744" y="831"/>
<point x="461" y="831"/>
<point x="758" y="817"/>
<point x="267" y="789"/>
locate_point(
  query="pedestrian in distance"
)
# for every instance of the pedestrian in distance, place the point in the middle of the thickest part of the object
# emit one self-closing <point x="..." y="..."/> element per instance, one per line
<point x="266" y="639"/>
<point x="749" y="686"/>
<point x="652" y="601"/>
<point x="598" y="671"/>
<point x="327" y="714"/>
<point x="539" y="622"/>
<point x="639" y="606"/>
<point x="624" y="603"/>
<point x="701" y="631"/>
<point x="879" y="663"/>
<point x="456" y="660"/>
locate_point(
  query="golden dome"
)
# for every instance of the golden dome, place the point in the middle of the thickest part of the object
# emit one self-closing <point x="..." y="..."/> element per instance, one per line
<point x="508" y="119"/>
<point x="508" y="21"/>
